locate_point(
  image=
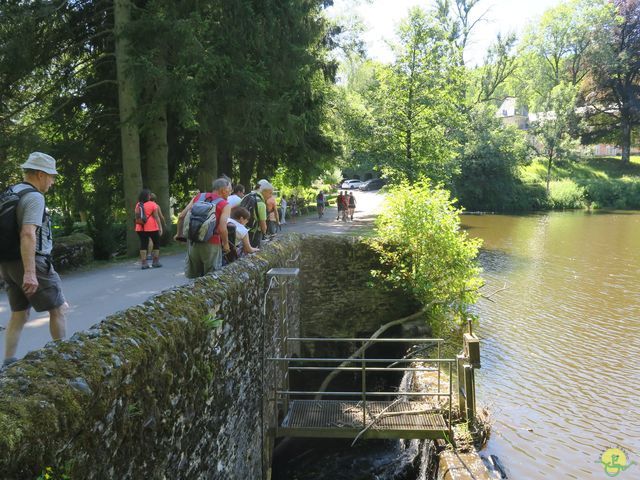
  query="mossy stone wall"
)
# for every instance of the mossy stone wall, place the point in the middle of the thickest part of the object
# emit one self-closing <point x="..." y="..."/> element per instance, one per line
<point x="173" y="388"/>
<point x="168" y="389"/>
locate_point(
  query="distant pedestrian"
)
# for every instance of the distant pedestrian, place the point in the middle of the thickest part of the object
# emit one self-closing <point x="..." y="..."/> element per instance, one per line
<point x="345" y="205"/>
<point x="25" y="263"/>
<point x="293" y="202"/>
<point x="283" y="210"/>
<point x="206" y="257"/>
<point x="235" y="199"/>
<point x="352" y="205"/>
<point x="340" y="205"/>
<point x="320" y="203"/>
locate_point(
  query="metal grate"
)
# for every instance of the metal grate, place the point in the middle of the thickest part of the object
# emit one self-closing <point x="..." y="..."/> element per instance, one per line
<point x="334" y="418"/>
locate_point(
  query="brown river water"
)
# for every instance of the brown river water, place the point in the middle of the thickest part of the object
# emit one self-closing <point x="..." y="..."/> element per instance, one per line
<point x="561" y="344"/>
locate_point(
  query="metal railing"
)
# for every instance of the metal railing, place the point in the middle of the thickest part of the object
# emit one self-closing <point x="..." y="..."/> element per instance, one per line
<point x="365" y="365"/>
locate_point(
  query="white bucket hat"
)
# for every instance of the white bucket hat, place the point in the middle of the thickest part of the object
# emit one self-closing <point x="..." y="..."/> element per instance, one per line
<point x="264" y="185"/>
<point x="41" y="161"/>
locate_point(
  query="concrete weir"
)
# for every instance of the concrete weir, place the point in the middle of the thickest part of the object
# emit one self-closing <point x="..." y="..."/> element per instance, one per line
<point x="174" y="388"/>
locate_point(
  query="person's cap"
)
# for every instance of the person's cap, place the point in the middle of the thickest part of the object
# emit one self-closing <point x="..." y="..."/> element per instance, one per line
<point x="260" y="182"/>
<point x="264" y="185"/>
<point x="41" y="161"/>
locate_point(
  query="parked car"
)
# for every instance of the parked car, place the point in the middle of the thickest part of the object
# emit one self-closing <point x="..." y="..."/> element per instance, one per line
<point x="350" y="184"/>
<point x="373" y="184"/>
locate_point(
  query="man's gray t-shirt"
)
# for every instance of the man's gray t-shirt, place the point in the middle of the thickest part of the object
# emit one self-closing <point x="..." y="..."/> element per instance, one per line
<point x="30" y="212"/>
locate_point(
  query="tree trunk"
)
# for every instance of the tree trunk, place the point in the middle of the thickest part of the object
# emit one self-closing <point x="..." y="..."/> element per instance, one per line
<point x="549" y="164"/>
<point x="208" y="148"/>
<point x="261" y="167"/>
<point x="247" y="161"/>
<point x="225" y="162"/>
<point x="157" y="151"/>
<point x="625" y="141"/>
<point x="129" y="134"/>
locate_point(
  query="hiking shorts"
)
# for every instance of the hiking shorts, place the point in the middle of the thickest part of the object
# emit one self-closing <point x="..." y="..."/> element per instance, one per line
<point x="49" y="295"/>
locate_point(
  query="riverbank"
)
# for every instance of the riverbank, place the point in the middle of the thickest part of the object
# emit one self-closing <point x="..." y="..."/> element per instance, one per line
<point x="590" y="183"/>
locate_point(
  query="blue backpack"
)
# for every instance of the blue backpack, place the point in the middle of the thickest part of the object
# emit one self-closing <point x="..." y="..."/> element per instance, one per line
<point x="200" y="222"/>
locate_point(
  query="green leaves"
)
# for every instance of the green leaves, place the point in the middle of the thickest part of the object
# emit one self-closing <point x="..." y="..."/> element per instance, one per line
<point x="421" y="244"/>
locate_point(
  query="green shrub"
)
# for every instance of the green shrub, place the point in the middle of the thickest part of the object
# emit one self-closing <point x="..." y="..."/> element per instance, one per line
<point x="622" y="193"/>
<point x="565" y="194"/>
<point x="421" y="244"/>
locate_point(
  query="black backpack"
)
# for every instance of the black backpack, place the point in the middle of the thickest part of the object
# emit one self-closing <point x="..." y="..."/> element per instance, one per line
<point x="9" y="230"/>
<point x="250" y="202"/>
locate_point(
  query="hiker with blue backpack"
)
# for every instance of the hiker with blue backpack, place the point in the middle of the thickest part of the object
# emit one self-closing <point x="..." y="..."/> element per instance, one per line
<point x="25" y="253"/>
<point x="203" y="225"/>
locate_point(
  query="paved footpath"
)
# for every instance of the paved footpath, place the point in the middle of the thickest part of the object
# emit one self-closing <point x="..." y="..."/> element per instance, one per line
<point x="96" y="293"/>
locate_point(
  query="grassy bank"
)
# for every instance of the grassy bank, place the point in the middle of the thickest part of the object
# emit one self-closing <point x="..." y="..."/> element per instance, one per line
<point x="586" y="183"/>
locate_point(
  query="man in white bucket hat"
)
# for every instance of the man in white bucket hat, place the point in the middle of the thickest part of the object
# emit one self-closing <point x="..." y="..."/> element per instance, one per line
<point x="27" y="268"/>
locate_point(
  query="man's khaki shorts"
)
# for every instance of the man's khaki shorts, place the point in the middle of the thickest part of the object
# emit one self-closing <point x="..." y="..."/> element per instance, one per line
<point x="49" y="294"/>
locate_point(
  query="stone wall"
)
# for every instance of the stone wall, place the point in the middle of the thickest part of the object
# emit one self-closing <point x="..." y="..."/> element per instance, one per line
<point x="173" y="388"/>
<point x="69" y="252"/>
<point x="168" y="389"/>
<point x="340" y="296"/>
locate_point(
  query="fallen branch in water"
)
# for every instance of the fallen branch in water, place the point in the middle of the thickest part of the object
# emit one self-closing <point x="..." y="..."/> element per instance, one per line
<point x="488" y="297"/>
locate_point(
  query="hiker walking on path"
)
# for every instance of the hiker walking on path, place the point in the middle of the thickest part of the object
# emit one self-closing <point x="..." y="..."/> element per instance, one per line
<point x="148" y="227"/>
<point x="320" y="203"/>
<point x="204" y="221"/>
<point x="352" y="205"/>
<point x="25" y="256"/>
<point x="345" y="205"/>
<point x="340" y="205"/>
<point x="283" y="210"/>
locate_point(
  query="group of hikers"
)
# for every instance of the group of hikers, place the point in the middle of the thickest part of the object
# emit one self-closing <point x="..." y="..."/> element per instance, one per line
<point x="346" y="203"/>
<point x="218" y="226"/>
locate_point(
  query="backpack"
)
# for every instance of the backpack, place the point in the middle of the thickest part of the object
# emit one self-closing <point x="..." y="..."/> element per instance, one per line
<point x="250" y="202"/>
<point x="9" y="229"/>
<point x="200" y="222"/>
<point x="141" y="216"/>
<point x="232" y="255"/>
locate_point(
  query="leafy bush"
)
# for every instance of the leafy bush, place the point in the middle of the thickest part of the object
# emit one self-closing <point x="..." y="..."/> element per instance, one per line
<point x="421" y="244"/>
<point x="566" y="194"/>
<point x="616" y="193"/>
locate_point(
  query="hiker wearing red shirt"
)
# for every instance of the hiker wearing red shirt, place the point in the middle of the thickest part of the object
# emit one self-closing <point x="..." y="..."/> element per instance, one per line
<point x="205" y="257"/>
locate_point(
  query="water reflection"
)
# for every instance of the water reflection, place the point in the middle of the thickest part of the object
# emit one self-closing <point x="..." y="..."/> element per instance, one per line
<point x="561" y="344"/>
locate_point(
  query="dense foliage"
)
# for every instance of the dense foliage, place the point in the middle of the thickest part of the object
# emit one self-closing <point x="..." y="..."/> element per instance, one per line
<point x="419" y="239"/>
<point x="169" y="95"/>
<point x="573" y="76"/>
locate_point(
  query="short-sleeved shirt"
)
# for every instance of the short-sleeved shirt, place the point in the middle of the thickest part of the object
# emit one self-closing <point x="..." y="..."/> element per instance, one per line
<point x="151" y="225"/>
<point x="234" y="200"/>
<point x="215" y="239"/>
<point x="241" y="232"/>
<point x="31" y="210"/>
